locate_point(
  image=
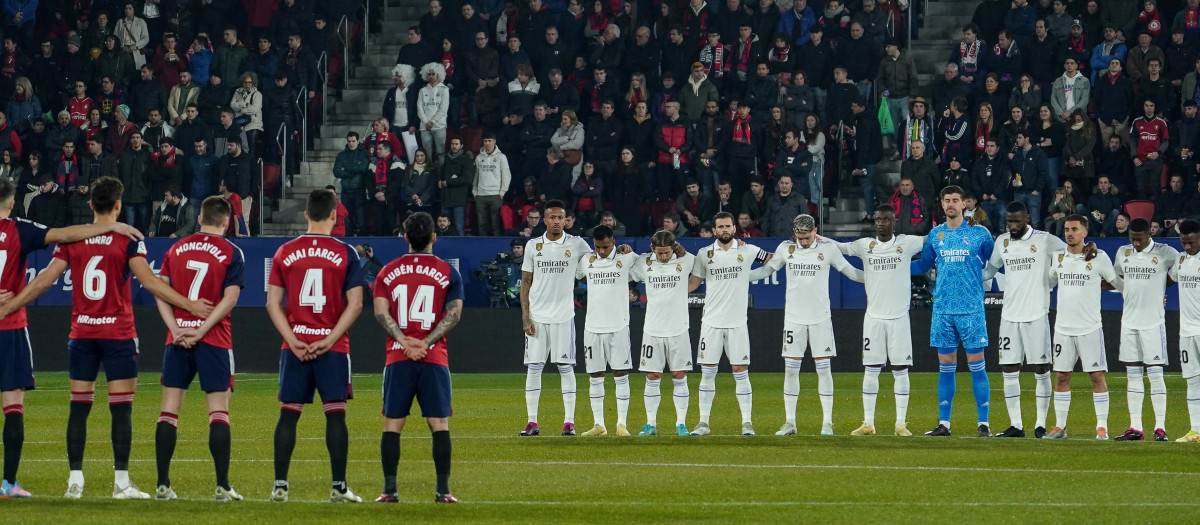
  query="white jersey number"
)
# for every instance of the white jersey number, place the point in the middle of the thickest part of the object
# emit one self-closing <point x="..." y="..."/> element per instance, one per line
<point x="95" y="282"/>
<point x="201" y="269"/>
<point x="421" y="308"/>
<point x="312" y="291"/>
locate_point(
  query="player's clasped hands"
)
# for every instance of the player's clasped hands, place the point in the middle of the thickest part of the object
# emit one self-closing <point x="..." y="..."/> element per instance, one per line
<point x="414" y="349"/>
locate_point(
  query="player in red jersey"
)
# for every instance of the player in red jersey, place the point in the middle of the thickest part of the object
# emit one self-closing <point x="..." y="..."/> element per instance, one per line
<point x="322" y="280"/>
<point x="418" y="299"/>
<point x="201" y="265"/>
<point x="102" y="329"/>
<point x="18" y="238"/>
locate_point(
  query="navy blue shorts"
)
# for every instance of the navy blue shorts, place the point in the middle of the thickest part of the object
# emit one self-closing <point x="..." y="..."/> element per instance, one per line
<point x="16" y="360"/>
<point x="119" y="357"/>
<point x="214" y="366"/>
<point x="427" y="382"/>
<point x="328" y="374"/>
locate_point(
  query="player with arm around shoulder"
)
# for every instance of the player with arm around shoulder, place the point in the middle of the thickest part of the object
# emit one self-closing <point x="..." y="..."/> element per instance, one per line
<point x="418" y="300"/>
<point x="202" y="265"/>
<point x="1187" y="273"/>
<point x="887" y="334"/>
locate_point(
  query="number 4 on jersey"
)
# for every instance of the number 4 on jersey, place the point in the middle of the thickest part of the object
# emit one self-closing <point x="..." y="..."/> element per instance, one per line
<point x="421" y="308"/>
<point x="312" y="291"/>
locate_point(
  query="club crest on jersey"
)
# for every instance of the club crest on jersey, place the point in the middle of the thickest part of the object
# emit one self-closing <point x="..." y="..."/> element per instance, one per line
<point x="678" y="268"/>
<point x="1088" y="266"/>
<point x="740" y="257"/>
<point x="538" y="246"/>
<point x="820" y="256"/>
<point x="1128" y="251"/>
<point x="567" y="254"/>
<point x="871" y="247"/>
<point x="1032" y="249"/>
<point x="1154" y="260"/>
<point x="899" y="249"/>
<point x="619" y="264"/>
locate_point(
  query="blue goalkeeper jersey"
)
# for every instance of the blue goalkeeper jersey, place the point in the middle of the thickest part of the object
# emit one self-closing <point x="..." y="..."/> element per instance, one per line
<point x="960" y="255"/>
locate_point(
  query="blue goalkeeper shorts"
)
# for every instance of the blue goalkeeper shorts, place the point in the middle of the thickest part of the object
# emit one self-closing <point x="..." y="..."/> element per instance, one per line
<point x="948" y="330"/>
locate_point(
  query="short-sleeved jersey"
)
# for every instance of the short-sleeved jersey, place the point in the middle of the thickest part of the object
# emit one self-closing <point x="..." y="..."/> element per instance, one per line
<point x="607" y="290"/>
<point x="960" y="255"/>
<point x="888" y="281"/>
<point x="1079" y="290"/>
<point x="101" y="302"/>
<point x="202" y="266"/>
<point x="419" y="285"/>
<point x="726" y="275"/>
<point x="666" y="293"/>
<point x="316" y="271"/>
<point x="1186" y="272"/>
<point x="553" y="265"/>
<point x="18" y="238"/>
<point x="1145" y="275"/>
<point x="807" y="299"/>
<point x="1026" y="263"/>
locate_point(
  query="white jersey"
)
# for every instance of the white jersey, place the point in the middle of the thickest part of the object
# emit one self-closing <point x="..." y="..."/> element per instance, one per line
<point x="666" y="293"/>
<point x="1186" y="272"/>
<point x="1145" y="275"/>
<point x="726" y="275"/>
<point x="607" y="290"/>
<point x="886" y="272"/>
<point x="808" y="278"/>
<point x="1079" y="290"/>
<point x="1026" y="261"/>
<point x="553" y="265"/>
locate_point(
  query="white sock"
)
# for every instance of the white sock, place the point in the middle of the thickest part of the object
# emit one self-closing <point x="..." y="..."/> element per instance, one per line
<point x="76" y="478"/>
<point x="870" y="394"/>
<point x="708" y="390"/>
<point x="533" y="390"/>
<point x="622" y="384"/>
<point x="791" y="388"/>
<point x="121" y="478"/>
<point x="1100" y="401"/>
<point x="825" y="389"/>
<point x="567" y="374"/>
<point x="1062" y="405"/>
<point x="901" y="390"/>
<point x="652" y="397"/>
<point x="1135" y="393"/>
<point x="1193" y="401"/>
<point x="1042" y="391"/>
<point x="1012" y="398"/>
<point x="1158" y="395"/>
<point x="596" y="393"/>
<point x="681" y="396"/>
<point x="745" y="394"/>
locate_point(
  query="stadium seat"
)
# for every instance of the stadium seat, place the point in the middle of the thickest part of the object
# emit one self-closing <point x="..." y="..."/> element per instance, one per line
<point x="658" y="210"/>
<point x="1140" y="209"/>
<point x="471" y="136"/>
<point x="271" y="175"/>
<point x="507" y="218"/>
<point x="470" y="225"/>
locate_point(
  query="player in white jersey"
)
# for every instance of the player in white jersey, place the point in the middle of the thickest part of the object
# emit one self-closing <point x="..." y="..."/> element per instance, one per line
<point x="725" y="268"/>
<point x="807" y="321"/>
<point x="665" y="340"/>
<point x="1144" y="265"/>
<point x="548" y="312"/>
<point x="887" y="334"/>
<point x="1078" y="333"/>
<point x="1024" y="254"/>
<point x="1186" y="272"/>
<point x="606" y="329"/>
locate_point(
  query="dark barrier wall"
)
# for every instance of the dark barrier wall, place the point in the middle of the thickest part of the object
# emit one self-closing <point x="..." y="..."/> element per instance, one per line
<point x="490" y="340"/>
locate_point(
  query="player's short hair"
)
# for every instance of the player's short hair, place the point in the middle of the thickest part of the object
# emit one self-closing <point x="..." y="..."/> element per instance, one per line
<point x="885" y="208"/>
<point x="723" y="215"/>
<point x="804" y="223"/>
<point x="106" y="193"/>
<point x="1139" y="225"/>
<point x="1186" y="227"/>
<point x="214" y="210"/>
<point x="1075" y="217"/>
<point x="553" y="203"/>
<point x="7" y="190"/>
<point x="1017" y="207"/>
<point x="602" y="232"/>
<point x="321" y="205"/>
<point x="418" y="230"/>
<point x="951" y="190"/>
<point x="662" y="239"/>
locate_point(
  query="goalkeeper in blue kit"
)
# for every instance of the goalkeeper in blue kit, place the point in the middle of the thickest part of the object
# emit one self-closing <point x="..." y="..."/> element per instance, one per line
<point x="960" y="252"/>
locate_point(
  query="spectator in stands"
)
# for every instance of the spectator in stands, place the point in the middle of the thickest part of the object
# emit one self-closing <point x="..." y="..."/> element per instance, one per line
<point x="79" y="208"/>
<point x="135" y="168"/>
<point x="968" y="56"/>
<point x="1149" y="141"/>
<point x="512" y="58"/>
<point x="61" y="132"/>
<point x="264" y="61"/>
<point x="492" y="178"/>
<point x="175" y="217"/>
<point x="992" y="95"/>
<point x="841" y="92"/>
<point x="725" y="201"/>
<point x="1007" y="136"/>
<point x="236" y="169"/>
<point x="455" y="181"/>
<point x="1179" y="59"/>
<point x="351" y="167"/>
<point x="419" y="50"/>
<point x="568" y="138"/>
<point x="434" y="24"/>
<point x="214" y="98"/>
<point x="1040" y="58"/>
<point x="698" y="91"/>
<point x="532" y="226"/>
<point x="1139" y="57"/>
<point x="643" y="56"/>
<point x="301" y="66"/>
<point x="1030" y="176"/>
<point x="991" y="179"/>
<point x="418" y="187"/>
<point x="797" y="22"/>
<point x="711" y="141"/>
<point x="229" y="56"/>
<point x="482" y="62"/>
<point x="948" y="88"/>
<point x="1169" y="205"/>
<point x="1057" y="212"/>
<point x="166" y="162"/>
<point x="860" y="56"/>
<point x="799" y="99"/>
<point x="1049" y="135"/>
<point x="1070" y="92"/>
<point x="120" y="134"/>
<point x="796" y="160"/>
<point x="782" y="207"/>
<point x="989" y="18"/>
<point x="624" y="190"/>
<point x="1185" y="137"/>
<point x="604" y="140"/>
<point x="674" y="139"/>
<point x="183" y="94"/>
<point x="588" y="190"/>
<point x="601" y="88"/>
<point x="912" y="215"/>
<point x="49" y="206"/>
<point x="400" y="102"/>
<point x="432" y="107"/>
<point x="558" y="95"/>
<point x="247" y="104"/>
<point x="922" y="171"/>
<point x="985" y="127"/>
<point x="867" y="151"/>
<point x="874" y="23"/>
<point x="535" y="139"/>
<point x="746" y="227"/>
<point x="693" y="206"/>
<point x="1116" y="162"/>
<point x="1058" y="22"/>
<point x="746" y="139"/>
<point x="200" y="61"/>
<point x="555" y="182"/>
<point x="1114" y="97"/>
<point x="1019" y="21"/>
<point x="386" y="179"/>
<point x="1154" y="86"/>
<point x="96" y="162"/>
<point x="671" y="223"/>
<point x="237" y="222"/>
<point x="1112" y="47"/>
<point x="897" y="80"/>
<point x="1078" y="145"/>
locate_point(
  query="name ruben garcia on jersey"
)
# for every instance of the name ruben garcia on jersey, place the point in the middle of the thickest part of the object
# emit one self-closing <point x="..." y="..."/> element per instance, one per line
<point x="442" y="279"/>
<point x="203" y="247"/>
<point x="323" y="253"/>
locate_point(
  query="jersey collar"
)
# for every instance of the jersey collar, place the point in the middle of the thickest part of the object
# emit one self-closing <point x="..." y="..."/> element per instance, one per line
<point x="561" y="240"/>
<point x="1028" y="233"/>
<point x="1148" y="247"/>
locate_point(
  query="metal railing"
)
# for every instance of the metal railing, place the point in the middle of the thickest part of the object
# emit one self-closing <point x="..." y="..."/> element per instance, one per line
<point x="281" y="141"/>
<point x="367" y="27"/>
<point x="908" y="27"/>
<point x="343" y="32"/>
<point x="262" y="181"/>
<point x="302" y="110"/>
<point x="323" y="72"/>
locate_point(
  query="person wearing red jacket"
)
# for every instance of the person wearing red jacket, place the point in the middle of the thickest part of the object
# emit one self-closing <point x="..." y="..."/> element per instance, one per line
<point x="1148" y="142"/>
<point x="80" y="105"/>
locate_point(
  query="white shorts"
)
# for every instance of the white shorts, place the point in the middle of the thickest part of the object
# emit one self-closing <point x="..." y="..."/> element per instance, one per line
<point x="1027" y="343"/>
<point x="555" y="342"/>
<point x="658" y="353"/>
<point x="733" y="342"/>
<point x="887" y="340"/>
<point x="1144" y="346"/>
<point x="611" y="349"/>
<point x="1087" y="349"/>
<point x="1189" y="356"/>
<point x="799" y="337"/>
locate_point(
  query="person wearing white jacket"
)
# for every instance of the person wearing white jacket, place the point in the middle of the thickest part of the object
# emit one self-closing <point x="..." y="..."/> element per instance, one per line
<point x="433" y="102"/>
<point x="492" y="177"/>
<point x="133" y="33"/>
<point x="247" y="106"/>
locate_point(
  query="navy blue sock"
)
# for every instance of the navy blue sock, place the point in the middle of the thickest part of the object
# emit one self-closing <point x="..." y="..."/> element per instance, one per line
<point x="946" y="388"/>
<point x="982" y="388"/>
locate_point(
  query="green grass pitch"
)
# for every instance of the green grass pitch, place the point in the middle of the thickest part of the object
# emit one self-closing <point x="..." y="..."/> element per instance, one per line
<point x="500" y="477"/>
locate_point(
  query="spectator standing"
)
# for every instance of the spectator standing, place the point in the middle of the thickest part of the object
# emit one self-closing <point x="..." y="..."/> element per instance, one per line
<point x="455" y="181"/>
<point x="1149" y="140"/>
<point x="432" y="107"/>
<point x="492" y="177"/>
<point x="1030" y="176"/>
<point x="351" y="167"/>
